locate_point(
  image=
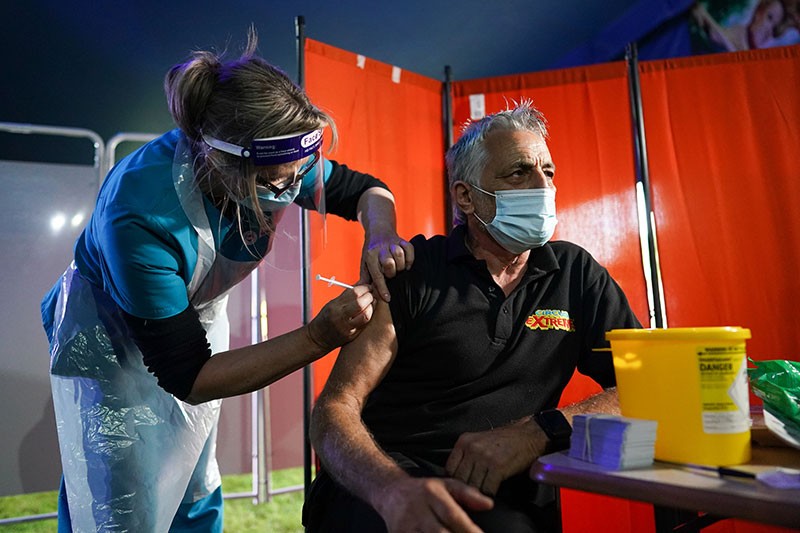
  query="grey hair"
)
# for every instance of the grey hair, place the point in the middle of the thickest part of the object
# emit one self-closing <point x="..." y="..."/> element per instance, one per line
<point x="467" y="158"/>
<point x="236" y="101"/>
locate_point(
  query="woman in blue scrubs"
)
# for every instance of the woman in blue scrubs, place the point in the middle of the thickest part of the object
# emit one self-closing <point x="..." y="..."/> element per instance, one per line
<point x="135" y="319"/>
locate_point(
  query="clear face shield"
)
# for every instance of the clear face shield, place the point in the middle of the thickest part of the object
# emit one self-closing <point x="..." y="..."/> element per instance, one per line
<point x="290" y="174"/>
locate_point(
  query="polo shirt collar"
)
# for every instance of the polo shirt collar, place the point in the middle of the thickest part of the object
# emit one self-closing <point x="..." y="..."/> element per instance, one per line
<point x="456" y="247"/>
<point x="540" y="261"/>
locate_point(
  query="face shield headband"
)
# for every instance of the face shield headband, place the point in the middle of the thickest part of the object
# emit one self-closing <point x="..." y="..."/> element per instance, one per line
<point x="280" y="150"/>
<point x="273" y="150"/>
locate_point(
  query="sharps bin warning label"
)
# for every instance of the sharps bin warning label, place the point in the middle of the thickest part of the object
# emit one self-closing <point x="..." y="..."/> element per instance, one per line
<point x="723" y="389"/>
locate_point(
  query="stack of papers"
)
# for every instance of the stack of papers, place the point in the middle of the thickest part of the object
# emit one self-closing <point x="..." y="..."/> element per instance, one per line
<point x="613" y="442"/>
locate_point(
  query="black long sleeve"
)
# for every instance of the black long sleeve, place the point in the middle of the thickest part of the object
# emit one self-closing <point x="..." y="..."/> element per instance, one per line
<point x="174" y="349"/>
<point x="343" y="190"/>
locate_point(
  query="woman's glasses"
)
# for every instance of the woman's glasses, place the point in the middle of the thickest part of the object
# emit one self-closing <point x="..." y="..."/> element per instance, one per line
<point x="284" y="185"/>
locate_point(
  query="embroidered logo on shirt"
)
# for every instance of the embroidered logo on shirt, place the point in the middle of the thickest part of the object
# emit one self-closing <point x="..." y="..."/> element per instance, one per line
<point x="550" y="319"/>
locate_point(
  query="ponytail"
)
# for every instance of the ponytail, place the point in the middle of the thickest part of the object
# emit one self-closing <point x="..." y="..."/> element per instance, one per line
<point x="189" y="87"/>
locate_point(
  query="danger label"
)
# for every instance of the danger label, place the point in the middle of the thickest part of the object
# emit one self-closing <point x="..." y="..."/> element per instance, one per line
<point x="723" y="389"/>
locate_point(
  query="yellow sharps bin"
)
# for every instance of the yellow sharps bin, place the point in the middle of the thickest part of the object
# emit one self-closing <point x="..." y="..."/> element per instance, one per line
<point x="693" y="382"/>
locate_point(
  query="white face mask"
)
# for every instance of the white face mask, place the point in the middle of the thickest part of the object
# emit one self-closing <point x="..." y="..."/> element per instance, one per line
<point x="524" y="218"/>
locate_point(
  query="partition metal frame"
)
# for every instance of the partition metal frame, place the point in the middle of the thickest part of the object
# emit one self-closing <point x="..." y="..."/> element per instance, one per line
<point x="650" y="262"/>
<point x="119" y="138"/>
<point x="81" y="133"/>
<point x="308" y="383"/>
<point x="447" y="124"/>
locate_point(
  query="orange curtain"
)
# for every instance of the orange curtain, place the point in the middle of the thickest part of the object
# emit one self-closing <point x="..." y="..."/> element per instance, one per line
<point x="723" y="133"/>
<point x="591" y="144"/>
<point x="390" y="125"/>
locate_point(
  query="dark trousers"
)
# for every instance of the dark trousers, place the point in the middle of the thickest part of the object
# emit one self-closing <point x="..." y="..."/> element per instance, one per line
<point x="519" y="506"/>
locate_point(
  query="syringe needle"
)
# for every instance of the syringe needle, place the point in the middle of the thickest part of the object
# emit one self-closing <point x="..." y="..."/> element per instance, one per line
<point x="332" y="281"/>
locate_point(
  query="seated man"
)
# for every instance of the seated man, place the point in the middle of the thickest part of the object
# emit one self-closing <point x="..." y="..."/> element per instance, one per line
<point x="449" y="394"/>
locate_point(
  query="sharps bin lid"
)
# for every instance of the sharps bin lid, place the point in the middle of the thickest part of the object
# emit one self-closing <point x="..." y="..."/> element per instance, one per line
<point x="679" y="334"/>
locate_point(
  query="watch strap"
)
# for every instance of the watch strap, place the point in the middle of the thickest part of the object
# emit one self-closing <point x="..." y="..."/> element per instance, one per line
<point x="557" y="428"/>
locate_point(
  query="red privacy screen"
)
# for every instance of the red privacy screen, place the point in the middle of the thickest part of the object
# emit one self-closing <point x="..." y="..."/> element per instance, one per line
<point x="390" y="126"/>
<point x="723" y="134"/>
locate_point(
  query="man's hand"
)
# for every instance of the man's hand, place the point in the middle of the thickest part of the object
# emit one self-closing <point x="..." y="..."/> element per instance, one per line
<point x="431" y="504"/>
<point x="383" y="256"/>
<point x="486" y="459"/>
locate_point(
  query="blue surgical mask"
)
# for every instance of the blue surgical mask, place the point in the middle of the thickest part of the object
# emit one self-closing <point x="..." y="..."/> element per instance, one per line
<point x="272" y="198"/>
<point x="269" y="203"/>
<point x="524" y="218"/>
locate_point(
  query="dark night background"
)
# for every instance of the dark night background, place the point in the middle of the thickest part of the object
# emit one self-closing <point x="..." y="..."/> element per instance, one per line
<point x="100" y="65"/>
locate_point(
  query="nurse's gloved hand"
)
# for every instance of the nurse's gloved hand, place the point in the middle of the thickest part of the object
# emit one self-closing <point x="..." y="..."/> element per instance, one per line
<point x="343" y="318"/>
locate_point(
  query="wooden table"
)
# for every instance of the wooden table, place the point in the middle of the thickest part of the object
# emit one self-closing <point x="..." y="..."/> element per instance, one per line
<point x="678" y="494"/>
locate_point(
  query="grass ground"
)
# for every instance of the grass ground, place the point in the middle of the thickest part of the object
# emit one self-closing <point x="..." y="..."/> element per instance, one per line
<point x="279" y="515"/>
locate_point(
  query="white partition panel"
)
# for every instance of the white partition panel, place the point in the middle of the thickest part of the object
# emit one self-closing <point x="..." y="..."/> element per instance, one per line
<point x="45" y="207"/>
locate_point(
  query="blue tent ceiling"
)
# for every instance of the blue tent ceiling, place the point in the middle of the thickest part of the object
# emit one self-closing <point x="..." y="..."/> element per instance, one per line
<point x="100" y="65"/>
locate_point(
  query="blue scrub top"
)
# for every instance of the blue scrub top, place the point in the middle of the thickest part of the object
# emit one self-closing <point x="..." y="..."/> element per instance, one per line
<point x="140" y="247"/>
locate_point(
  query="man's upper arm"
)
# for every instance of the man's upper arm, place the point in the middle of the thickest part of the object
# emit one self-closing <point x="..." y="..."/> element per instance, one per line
<point x="362" y="364"/>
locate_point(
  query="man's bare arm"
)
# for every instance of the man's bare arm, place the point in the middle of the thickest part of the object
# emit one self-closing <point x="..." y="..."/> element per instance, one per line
<point x="338" y="434"/>
<point x="353" y="458"/>
<point x="603" y="402"/>
<point x="487" y="458"/>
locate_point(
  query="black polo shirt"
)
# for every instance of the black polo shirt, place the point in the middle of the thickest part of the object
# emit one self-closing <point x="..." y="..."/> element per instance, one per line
<point x="470" y="359"/>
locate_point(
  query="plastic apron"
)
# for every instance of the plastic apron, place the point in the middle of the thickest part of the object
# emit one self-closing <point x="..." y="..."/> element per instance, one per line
<point x="131" y="452"/>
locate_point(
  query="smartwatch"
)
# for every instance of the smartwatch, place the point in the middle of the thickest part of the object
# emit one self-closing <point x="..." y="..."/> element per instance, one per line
<point x="556" y="427"/>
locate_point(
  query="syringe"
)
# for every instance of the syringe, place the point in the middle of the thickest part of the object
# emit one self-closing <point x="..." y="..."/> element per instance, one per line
<point x="332" y="281"/>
